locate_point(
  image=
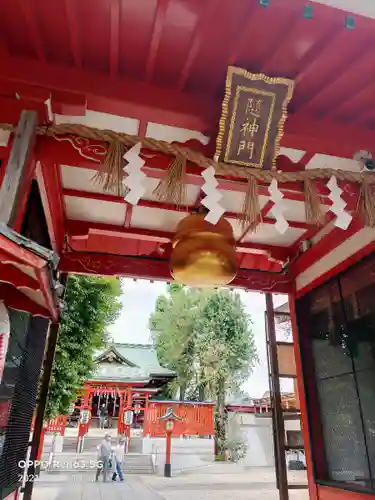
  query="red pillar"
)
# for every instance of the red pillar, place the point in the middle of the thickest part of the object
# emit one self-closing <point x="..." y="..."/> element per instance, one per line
<point x="120" y="413"/>
<point x="167" y="466"/>
<point x="130" y="407"/>
<point x="83" y="428"/>
<point x="41" y="443"/>
<point x="145" y="417"/>
<point x="129" y="402"/>
<point x="313" y="493"/>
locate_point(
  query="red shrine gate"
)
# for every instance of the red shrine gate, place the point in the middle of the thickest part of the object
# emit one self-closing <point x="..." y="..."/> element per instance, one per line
<point x="197" y="418"/>
<point x="130" y="399"/>
<point x="152" y="75"/>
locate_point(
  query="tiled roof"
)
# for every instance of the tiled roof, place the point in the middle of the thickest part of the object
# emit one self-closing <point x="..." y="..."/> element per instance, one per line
<point x="133" y="362"/>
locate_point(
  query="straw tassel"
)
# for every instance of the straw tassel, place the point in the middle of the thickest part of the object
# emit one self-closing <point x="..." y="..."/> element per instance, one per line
<point x="112" y="174"/>
<point x="367" y="203"/>
<point x="313" y="206"/>
<point x="251" y="213"/>
<point x="172" y="188"/>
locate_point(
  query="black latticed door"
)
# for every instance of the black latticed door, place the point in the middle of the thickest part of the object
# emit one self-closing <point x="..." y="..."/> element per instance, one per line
<point x="337" y="336"/>
<point x="18" y="393"/>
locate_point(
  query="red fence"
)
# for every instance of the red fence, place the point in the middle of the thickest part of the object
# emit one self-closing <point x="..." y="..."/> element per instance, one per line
<point x="197" y="419"/>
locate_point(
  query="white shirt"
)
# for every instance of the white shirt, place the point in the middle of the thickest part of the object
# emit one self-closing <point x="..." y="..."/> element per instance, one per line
<point x="119" y="453"/>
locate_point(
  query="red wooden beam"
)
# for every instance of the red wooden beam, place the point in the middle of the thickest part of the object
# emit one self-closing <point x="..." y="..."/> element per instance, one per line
<point x="339" y="268"/>
<point x="310" y="234"/>
<point x="241" y="42"/>
<point x="11" y="252"/>
<point x="68" y="103"/>
<point x="311" y="61"/>
<point x="119" y="96"/>
<point x="115" y="12"/>
<point x="328" y="243"/>
<point x="113" y="244"/>
<point x="128" y="215"/>
<point x="71" y="15"/>
<point x="48" y="295"/>
<point x="78" y="228"/>
<point x="110" y="265"/>
<point x="117" y="245"/>
<point x="15" y="277"/>
<point x="358" y="51"/>
<point x="23" y="91"/>
<point x="15" y="299"/>
<point x="4" y="153"/>
<point x="50" y="187"/>
<point x="264" y="212"/>
<point x="24" y="196"/>
<point x="164" y="206"/>
<point x="279" y="43"/>
<point x="11" y="109"/>
<point x="142" y="129"/>
<point x="83" y="229"/>
<point x="31" y="21"/>
<point x="267" y="207"/>
<point x="172" y="107"/>
<point x="307" y="157"/>
<point x="161" y="12"/>
<point x="196" y="42"/>
<point x="64" y="153"/>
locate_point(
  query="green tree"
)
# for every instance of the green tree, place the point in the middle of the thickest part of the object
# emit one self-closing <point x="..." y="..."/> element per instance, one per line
<point x="91" y="305"/>
<point x="172" y="327"/>
<point x="226" y="352"/>
<point x="206" y="337"/>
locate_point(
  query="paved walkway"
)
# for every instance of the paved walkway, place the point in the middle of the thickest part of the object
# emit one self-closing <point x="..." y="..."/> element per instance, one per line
<point x="215" y="482"/>
<point x="83" y="487"/>
<point x="225" y="481"/>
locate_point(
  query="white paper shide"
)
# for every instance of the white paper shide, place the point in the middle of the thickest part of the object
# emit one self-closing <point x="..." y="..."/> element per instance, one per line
<point x="213" y="196"/>
<point x="278" y="208"/>
<point x="343" y="218"/>
<point x="135" y="176"/>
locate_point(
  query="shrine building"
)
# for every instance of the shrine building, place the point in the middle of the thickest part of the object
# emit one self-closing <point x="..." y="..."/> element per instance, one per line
<point x="125" y="371"/>
<point x="211" y="143"/>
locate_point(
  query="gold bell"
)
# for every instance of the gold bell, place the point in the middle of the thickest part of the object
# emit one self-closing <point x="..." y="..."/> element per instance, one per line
<point x="203" y="254"/>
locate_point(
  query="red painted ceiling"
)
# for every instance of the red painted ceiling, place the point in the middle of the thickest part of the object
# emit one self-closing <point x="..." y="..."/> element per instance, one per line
<point x="185" y="46"/>
<point x="165" y="61"/>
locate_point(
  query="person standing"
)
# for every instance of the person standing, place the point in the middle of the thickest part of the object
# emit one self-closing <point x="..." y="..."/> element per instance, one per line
<point x="102" y="415"/>
<point x="104" y="457"/>
<point x="119" y="459"/>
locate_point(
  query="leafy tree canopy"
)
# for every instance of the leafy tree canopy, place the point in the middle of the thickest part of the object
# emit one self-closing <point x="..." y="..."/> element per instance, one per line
<point x="205" y="336"/>
<point x="91" y="305"/>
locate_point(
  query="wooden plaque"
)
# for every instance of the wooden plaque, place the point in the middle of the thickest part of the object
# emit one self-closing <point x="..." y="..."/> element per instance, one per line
<point x="252" y="121"/>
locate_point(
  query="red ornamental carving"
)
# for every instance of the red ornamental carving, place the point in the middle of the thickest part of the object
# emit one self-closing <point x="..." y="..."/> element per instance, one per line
<point x="147" y="268"/>
<point x="96" y="152"/>
<point x="267" y="282"/>
<point x="87" y="148"/>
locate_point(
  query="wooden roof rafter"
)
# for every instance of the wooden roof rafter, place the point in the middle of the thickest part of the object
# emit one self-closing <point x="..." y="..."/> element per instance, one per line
<point x="85" y="70"/>
<point x="26" y="281"/>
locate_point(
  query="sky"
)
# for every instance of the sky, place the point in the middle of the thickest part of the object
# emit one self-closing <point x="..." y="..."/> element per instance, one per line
<point x="139" y="298"/>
